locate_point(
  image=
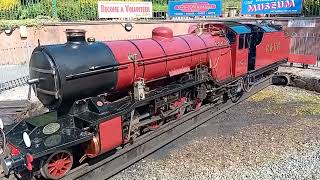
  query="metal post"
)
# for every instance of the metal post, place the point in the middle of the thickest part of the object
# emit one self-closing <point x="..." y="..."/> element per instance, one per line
<point x="55" y="8"/>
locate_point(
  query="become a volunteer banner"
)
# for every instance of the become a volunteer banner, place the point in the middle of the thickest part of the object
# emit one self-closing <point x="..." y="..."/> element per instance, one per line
<point x="195" y="8"/>
<point x="116" y="9"/>
<point x="271" y="6"/>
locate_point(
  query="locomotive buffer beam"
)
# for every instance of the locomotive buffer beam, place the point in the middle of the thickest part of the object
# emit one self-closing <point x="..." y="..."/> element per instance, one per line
<point x="108" y="165"/>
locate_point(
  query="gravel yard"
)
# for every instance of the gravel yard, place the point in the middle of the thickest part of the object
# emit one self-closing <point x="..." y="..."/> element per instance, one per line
<point x="18" y="93"/>
<point x="273" y="135"/>
<point x="12" y="72"/>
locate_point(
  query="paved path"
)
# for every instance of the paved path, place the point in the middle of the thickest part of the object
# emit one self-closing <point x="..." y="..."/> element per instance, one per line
<point x="12" y="72"/>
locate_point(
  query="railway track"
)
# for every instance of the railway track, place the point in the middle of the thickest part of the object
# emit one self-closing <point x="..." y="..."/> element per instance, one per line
<point x="10" y="110"/>
<point x="110" y="164"/>
<point x="13" y="107"/>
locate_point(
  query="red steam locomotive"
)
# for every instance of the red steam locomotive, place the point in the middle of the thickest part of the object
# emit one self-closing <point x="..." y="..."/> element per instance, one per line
<point x="103" y="95"/>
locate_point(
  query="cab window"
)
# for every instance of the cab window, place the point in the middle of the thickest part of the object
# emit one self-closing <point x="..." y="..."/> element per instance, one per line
<point x="244" y="41"/>
<point x="241" y="41"/>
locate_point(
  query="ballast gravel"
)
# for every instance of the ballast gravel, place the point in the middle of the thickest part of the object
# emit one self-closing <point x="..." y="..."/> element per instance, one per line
<point x="273" y="135"/>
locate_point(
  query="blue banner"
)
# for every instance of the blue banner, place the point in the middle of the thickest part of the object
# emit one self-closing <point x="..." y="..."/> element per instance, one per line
<point x="195" y="8"/>
<point x="271" y="6"/>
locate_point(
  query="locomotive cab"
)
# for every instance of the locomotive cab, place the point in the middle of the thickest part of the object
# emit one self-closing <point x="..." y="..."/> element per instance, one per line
<point x="238" y="35"/>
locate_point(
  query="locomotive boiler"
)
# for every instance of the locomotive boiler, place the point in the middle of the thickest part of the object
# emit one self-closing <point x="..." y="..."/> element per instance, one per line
<point x="103" y="95"/>
<point x="79" y="69"/>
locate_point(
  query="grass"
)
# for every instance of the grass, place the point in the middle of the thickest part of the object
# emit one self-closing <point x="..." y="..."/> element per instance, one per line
<point x="267" y="94"/>
<point x="291" y="101"/>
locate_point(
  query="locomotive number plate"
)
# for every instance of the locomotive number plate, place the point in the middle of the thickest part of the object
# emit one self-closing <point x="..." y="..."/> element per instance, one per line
<point x="51" y="128"/>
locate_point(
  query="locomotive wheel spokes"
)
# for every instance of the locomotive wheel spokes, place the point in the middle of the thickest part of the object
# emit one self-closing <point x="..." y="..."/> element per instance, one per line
<point x="181" y="112"/>
<point x="197" y="104"/>
<point x="180" y="105"/>
<point x="57" y="165"/>
<point x="154" y="126"/>
<point x="246" y="84"/>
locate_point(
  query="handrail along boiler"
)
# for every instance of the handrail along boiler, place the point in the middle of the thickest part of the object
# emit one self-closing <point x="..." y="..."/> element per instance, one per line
<point x="102" y="96"/>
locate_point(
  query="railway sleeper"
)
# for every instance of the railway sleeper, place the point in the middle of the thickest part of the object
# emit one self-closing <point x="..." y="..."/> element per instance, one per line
<point x="141" y="117"/>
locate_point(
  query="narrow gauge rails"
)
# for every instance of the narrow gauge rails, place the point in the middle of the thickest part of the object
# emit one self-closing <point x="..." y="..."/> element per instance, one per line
<point x="105" y="95"/>
<point x="105" y="168"/>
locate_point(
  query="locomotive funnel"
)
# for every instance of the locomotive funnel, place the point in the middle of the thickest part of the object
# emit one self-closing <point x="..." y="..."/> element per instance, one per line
<point x="76" y="35"/>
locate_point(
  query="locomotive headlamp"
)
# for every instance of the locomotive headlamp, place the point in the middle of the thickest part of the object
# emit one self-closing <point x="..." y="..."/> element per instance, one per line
<point x="26" y="139"/>
<point x="128" y="27"/>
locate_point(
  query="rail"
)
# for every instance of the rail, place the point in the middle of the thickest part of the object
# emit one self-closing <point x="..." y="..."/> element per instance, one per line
<point x="110" y="164"/>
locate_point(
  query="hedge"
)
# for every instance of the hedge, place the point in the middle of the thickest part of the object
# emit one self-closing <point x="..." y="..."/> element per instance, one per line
<point x="67" y="10"/>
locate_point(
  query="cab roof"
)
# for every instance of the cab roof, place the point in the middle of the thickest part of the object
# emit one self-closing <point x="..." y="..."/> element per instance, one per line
<point x="266" y="27"/>
<point x="238" y="28"/>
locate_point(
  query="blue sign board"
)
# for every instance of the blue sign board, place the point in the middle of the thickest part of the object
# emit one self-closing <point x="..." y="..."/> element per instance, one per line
<point x="195" y="8"/>
<point x="271" y="6"/>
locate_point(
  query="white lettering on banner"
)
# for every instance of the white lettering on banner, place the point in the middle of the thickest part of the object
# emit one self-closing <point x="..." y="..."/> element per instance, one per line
<point x="271" y="5"/>
<point x="116" y="9"/>
<point x="301" y="23"/>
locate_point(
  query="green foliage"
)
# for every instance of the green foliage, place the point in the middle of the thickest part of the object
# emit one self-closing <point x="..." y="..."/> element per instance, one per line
<point x="231" y="3"/>
<point x="159" y="7"/>
<point x="7" y="5"/>
<point x="89" y="9"/>
<point x="76" y="10"/>
<point x="73" y="10"/>
<point x="43" y="8"/>
<point x="9" y="9"/>
<point x="10" y="14"/>
<point x="69" y="10"/>
<point x="311" y="8"/>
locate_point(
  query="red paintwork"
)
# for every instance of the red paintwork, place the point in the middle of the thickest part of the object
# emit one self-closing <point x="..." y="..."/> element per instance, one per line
<point x="303" y="59"/>
<point x="121" y="50"/>
<point x="29" y="159"/>
<point x="179" y="71"/>
<point x="14" y="151"/>
<point x="219" y="58"/>
<point x="153" y="68"/>
<point x="110" y="134"/>
<point x="171" y="47"/>
<point x="164" y="55"/>
<point x="239" y="59"/>
<point x="162" y="33"/>
<point x="59" y="164"/>
<point x="196" y="44"/>
<point x="273" y="47"/>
